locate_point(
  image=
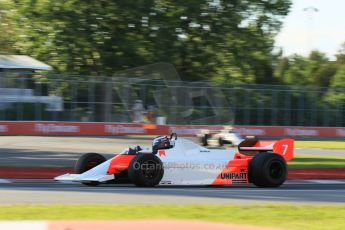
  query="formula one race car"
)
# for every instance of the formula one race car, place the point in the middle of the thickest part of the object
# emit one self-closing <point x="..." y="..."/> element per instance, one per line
<point x="227" y="135"/>
<point x="178" y="161"/>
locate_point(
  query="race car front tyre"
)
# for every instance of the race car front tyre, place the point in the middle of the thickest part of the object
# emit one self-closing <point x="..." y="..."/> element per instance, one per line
<point x="87" y="162"/>
<point x="146" y="170"/>
<point x="267" y="170"/>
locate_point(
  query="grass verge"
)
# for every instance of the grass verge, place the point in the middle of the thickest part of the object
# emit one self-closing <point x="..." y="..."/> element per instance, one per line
<point x="320" y="144"/>
<point x="280" y="215"/>
<point x="318" y="162"/>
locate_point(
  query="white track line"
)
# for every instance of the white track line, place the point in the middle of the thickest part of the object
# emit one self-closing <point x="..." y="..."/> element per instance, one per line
<point x="327" y="181"/>
<point x="20" y="225"/>
<point x="315" y="182"/>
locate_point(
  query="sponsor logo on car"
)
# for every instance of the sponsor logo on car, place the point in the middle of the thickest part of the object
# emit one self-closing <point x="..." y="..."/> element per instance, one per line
<point x="234" y="176"/>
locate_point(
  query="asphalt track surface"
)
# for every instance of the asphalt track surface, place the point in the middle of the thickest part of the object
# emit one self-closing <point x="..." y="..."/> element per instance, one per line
<point x="50" y="192"/>
<point x="26" y="151"/>
<point x="32" y="151"/>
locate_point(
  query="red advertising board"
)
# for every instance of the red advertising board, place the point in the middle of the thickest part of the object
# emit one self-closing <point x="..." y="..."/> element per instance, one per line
<point x="115" y="129"/>
<point x="285" y="131"/>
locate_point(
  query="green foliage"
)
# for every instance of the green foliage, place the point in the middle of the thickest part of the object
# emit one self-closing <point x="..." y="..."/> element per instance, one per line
<point x="336" y="93"/>
<point x="325" y="79"/>
<point x="316" y="62"/>
<point x="286" y="216"/>
<point x="341" y="55"/>
<point x="296" y="73"/>
<point x="315" y="70"/>
<point x="223" y="40"/>
<point x="7" y="27"/>
<point x="324" y="74"/>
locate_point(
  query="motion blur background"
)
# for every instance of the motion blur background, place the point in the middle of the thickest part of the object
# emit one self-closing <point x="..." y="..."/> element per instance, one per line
<point x="96" y="68"/>
<point x="208" y="62"/>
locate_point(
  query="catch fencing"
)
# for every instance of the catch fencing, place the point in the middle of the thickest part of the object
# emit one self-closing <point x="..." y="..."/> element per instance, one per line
<point x="153" y="99"/>
<point x="118" y="129"/>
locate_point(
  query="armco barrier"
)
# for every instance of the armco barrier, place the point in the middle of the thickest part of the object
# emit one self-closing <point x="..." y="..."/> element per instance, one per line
<point x="115" y="129"/>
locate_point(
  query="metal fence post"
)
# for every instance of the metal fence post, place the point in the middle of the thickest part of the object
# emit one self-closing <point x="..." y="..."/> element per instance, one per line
<point x="58" y="93"/>
<point x="287" y="105"/>
<point x="260" y="111"/>
<point x="38" y="115"/>
<point x="19" y="107"/>
<point x="247" y="107"/>
<point x="73" y="94"/>
<point x="91" y="99"/>
<point x="234" y="100"/>
<point x="2" y="109"/>
<point x="108" y="102"/>
<point x="338" y="114"/>
<point x="126" y="110"/>
<point x="325" y="118"/>
<point x="314" y="109"/>
<point x="273" y="108"/>
<point x="300" y="121"/>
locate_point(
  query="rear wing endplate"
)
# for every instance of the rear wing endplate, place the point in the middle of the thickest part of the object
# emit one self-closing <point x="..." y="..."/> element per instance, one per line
<point x="284" y="147"/>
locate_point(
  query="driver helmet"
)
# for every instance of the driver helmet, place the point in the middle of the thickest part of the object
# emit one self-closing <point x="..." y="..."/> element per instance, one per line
<point x="161" y="142"/>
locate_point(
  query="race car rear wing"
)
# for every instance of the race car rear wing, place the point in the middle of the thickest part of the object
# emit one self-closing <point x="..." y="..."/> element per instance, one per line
<point x="283" y="147"/>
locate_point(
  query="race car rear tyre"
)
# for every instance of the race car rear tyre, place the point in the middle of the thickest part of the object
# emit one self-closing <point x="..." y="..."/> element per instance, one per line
<point x="87" y="162"/>
<point x="267" y="170"/>
<point x="146" y="170"/>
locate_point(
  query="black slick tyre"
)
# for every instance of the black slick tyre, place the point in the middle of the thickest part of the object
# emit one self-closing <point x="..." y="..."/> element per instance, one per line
<point x="146" y="170"/>
<point x="87" y="162"/>
<point x="267" y="170"/>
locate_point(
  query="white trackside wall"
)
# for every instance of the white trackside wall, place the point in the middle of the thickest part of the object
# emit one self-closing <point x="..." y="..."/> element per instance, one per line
<point x="188" y="163"/>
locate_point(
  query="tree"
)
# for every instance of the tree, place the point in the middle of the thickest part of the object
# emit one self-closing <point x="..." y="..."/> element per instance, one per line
<point x="206" y="40"/>
<point x="296" y="73"/>
<point x="341" y="55"/>
<point x="318" y="69"/>
<point x="315" y="70"/>
<point x="324" y="74"/>
<point x="281" y="68"/>
<point x="336" y="93"/>
<point x="8" y="33"/>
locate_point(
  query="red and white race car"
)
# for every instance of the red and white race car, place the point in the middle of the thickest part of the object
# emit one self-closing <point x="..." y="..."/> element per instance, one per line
<point x="178" y="161"/>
